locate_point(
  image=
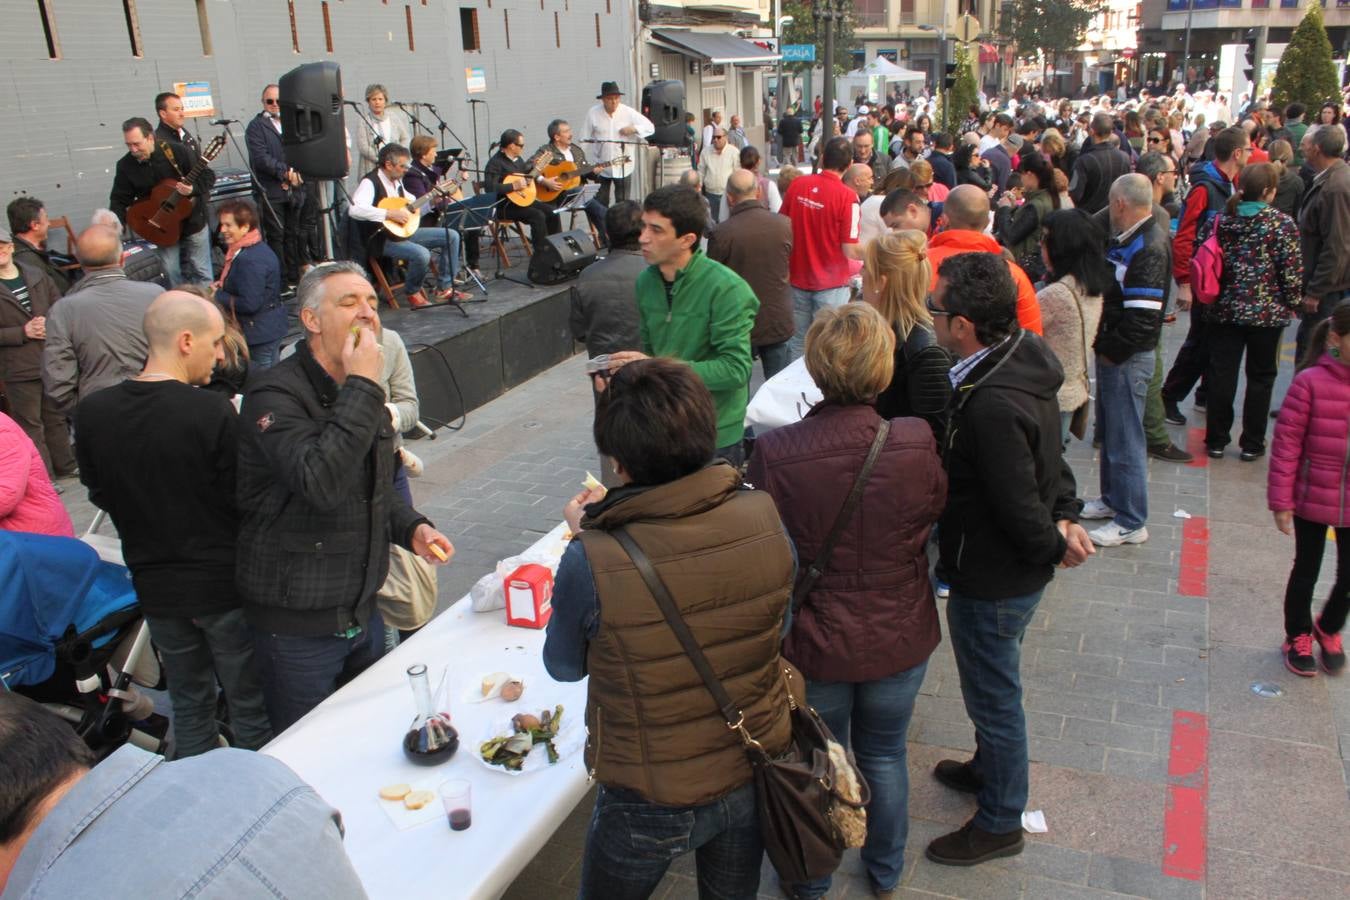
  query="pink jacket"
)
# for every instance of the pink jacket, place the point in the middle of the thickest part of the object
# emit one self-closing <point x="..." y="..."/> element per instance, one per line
<point x="28" y="502"/>
<point x="1310" y="455"/>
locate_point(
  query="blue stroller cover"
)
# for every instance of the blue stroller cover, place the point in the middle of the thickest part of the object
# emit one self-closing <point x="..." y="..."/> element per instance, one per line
<point x="47" y="586"/>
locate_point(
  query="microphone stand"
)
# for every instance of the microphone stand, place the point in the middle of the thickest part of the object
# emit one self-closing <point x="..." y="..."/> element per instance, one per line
<point x="375" y="137"/>
<point x="412" y="117"/>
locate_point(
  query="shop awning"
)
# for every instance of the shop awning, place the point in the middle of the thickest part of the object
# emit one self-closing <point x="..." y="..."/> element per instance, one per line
<point x="721" y="49"/>
<point x="988" y="53"/>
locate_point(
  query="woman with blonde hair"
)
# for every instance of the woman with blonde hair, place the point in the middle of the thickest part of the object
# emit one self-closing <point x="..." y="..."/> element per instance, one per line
<point x="862" y="631"/>
<point x="924" y="185"/>
<point x="895" y="280"/>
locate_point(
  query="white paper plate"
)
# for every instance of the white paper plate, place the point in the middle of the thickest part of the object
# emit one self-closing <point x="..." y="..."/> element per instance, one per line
<point x="571" y="739"/>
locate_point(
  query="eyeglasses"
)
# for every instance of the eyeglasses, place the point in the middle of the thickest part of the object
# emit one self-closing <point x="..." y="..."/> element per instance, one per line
<point x="923" y="187"/>
<point x="271" y="102"/>
<point x="935" y="310"/>
<point x="1155" y="140"/>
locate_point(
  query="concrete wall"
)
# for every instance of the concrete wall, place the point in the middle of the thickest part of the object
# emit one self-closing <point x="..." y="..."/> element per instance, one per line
<point x="62" y="116"/>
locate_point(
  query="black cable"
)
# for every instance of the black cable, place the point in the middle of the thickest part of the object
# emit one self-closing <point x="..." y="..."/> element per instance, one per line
<point x="463" y="413"/>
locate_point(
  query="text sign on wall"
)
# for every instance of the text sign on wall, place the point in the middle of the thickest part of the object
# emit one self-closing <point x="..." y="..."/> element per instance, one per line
<point x="196" y="96"/>
<point x="475" y="80"/>
<point x="799" y="53"/>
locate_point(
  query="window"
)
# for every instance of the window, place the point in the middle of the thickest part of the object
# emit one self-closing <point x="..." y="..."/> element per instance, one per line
<point x="468" y="27"/>
<point x="1260" y="4"/>
<point x="907" y="12"/>
<point x="870" y="13"/>
<point x="327" y="28"/>
<point x="407" y="21"/>
<point x="597" y="29"/>
<point x="133" y="27"/>
<point x="295" y="34"/>
<point x="506" y="21"/>
<point x="557" y="30"/>
<point x="49" y="29"/>
<point x="204" y="26"/>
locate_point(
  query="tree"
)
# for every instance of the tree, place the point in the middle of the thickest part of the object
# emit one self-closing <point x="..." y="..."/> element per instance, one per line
<point x="1054" y="27"/>
<point x="1306" y="73"/>
<point x="804" y="30"/>
<point x="963" y="95"/>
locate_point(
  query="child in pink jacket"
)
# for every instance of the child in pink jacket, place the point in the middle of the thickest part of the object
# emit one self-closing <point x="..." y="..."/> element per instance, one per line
<point x="28" y="502"/>
<point x="1309" y="489"/>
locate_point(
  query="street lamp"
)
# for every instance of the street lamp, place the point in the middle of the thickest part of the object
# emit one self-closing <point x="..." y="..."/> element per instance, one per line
<point x="828" y="12"/>
<point x="778" y="33"/>
<point x="942" y="62"/>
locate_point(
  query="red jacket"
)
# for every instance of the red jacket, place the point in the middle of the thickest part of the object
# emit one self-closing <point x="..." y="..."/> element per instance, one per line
<point x="1310" y="455"/>
<point x="28" y="502"/>
<point x="950" y="243"/>
<point x="872" y="613"/>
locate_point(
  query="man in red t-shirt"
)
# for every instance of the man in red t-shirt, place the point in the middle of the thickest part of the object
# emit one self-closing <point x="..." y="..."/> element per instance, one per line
<point x="824" y="215"/>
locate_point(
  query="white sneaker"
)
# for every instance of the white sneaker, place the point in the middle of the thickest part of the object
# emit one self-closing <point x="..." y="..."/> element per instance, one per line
<point x="1096" y="509"/>
<point x="1112" y="535"/>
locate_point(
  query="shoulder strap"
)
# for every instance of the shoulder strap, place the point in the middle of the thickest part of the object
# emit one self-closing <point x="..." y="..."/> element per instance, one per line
<point x="817" y="567"/>
<point x="1082" y="328"/>
<point x="661" y="593"/>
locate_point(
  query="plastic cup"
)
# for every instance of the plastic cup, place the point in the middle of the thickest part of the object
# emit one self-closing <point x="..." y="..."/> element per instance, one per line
<point x="457" y="798"/>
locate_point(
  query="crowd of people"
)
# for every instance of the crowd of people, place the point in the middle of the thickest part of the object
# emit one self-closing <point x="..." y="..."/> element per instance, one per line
<point x="966" y="302"/>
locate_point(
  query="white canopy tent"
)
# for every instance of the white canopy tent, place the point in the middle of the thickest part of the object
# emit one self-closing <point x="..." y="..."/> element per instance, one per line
<point x="872" y="79"/>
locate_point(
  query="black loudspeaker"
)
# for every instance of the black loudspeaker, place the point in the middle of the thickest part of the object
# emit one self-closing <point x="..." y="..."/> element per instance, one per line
<point x="561" y="257"/>
<point x="312" y="129"/>
<point x="663" y="103"/>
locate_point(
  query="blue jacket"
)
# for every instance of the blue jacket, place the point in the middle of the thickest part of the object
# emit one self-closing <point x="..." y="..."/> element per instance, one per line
<point x="943" y="170"/>
<point x="1133" y="307"/>
<point x="252" y="291"/>
<point x="266" y="158"/>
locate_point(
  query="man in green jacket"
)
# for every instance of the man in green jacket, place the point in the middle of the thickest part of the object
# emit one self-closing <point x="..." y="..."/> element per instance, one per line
<point x="694" y="309"/>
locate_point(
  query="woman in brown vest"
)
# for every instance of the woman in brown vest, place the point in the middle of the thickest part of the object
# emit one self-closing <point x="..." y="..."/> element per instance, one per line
<point x="863" y="635"/>
<point x="673" y="778"/>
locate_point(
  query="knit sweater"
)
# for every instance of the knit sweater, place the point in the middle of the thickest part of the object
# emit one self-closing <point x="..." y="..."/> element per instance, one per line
<point x="1060" y="302"/>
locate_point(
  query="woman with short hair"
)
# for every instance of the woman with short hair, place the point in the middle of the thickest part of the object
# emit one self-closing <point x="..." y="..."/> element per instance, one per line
<point x="863" y="633"/>
<point x="377" y="119"/>
<point x="249" y="288"/>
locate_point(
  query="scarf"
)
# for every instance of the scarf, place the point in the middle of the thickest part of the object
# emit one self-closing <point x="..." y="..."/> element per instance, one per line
<point x="251" y="237"/>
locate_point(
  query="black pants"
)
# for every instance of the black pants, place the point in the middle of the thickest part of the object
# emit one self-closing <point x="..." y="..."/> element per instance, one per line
<point x="1191" y="361"/>
<point x="45" y="427"/>
<point x="1310" y="541"/>
<point x="620" y="187"/>
<point x="1226" y="346"/>
<point x="539" y="216"/>
<point x="281" y="229"/>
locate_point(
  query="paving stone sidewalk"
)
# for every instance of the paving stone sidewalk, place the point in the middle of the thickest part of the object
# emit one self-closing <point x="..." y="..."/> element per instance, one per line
<point x="1113" y="651"/>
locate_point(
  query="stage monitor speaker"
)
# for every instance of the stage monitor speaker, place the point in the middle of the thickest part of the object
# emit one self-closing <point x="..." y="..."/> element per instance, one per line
<point x="561" y="257"/>
<point x="663" y="103"/>
<point x="312" y="126"/>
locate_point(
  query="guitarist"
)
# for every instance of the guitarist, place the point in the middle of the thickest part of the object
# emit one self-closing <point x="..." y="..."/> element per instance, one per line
<point x="560" y="148"/>
<point x="505" y="162"/>
<point x="149" y="161"/>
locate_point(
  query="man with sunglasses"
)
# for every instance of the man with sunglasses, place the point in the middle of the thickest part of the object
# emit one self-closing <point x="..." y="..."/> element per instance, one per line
<point x="509" y="161"/>
<point x="1011" y="518"/>
<point x="275" y="184"/>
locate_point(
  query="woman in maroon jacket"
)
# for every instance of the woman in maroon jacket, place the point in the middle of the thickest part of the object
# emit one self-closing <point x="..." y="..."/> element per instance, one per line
<point x="863" y="635"/>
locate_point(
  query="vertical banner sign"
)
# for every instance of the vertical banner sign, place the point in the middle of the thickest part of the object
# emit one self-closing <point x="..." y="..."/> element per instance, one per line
<point x="475" y="80"/>
<point x="196" y="96"/>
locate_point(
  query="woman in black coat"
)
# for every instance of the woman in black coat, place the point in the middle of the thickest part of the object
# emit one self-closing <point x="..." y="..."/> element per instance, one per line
<point x="969" y="169"/>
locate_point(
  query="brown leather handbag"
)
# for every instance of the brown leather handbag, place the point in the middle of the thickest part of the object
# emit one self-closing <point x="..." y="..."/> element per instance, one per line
<point x="811" y="800"/>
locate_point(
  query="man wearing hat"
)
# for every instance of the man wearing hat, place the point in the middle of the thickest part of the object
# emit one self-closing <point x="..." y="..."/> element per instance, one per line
<point x="613" y="128"/>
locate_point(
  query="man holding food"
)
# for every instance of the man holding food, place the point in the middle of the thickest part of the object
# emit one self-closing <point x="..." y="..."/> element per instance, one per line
<point x="316" y="500"/>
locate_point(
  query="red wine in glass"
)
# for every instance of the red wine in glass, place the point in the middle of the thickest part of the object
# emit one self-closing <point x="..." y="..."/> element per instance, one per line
<point x="460" y="819"/>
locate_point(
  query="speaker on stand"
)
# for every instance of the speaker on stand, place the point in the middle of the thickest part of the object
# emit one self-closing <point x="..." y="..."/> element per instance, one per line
<point x="313" y="133"/>
<point x="663" y="103"/>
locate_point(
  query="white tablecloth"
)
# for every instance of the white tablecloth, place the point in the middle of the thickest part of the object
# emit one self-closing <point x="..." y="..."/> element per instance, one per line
<point x="349" y="747"/>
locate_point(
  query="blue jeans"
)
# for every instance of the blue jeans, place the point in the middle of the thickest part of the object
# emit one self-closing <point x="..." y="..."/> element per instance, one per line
<point x="1122" y="391"/>
<point x="872" y="717"/>
<point x="774" y="358"/>
<point x="188" y="261"/>
<point x="416" y="252"/>
<point x="632" y="842"/>
<point x="300" y="672"/>
<point x="196" y="651"/>
<point x="805" y="305"/>
<point x="986" y="637"/>
<point x="263" y="356"/>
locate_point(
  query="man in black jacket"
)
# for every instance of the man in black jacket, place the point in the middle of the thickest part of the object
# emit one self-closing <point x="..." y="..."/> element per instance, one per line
<point x="1097" y="167"/>
<point x="1011" y="517"/>
<point x="148" y="161"/>
<point x="172" y="121"/>
<point x="509" y="161"/>
<point x="281" y="196"/>
<point x="316" y="501"/>
<point x="1127" y="338"/>
<point x="28" y="225"/>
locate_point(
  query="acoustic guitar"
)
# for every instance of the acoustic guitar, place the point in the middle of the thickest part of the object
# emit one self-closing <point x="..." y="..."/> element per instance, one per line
<point x="524" y="194"/>
<point x="447" y="187"/>
<point x="159" y="217"/>
<point x="559" y="172"/>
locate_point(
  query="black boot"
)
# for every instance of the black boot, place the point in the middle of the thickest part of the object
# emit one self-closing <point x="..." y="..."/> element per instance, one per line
<point x="959" y="776"/>
<point x="972" y="845"/>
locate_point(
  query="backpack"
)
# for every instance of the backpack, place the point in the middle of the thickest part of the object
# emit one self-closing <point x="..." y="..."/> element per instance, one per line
<point x="1207" y="267"/>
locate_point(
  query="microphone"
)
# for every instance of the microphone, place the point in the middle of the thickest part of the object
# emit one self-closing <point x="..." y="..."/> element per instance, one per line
<point x="471" y="100"/>
<point x="224" y="121"/>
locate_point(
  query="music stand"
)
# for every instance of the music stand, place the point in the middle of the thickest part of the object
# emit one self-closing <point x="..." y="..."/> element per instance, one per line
<point x="471" y="214"/>
<point x="577" y="202"/>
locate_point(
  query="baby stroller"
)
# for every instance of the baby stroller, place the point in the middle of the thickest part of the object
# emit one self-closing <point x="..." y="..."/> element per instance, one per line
<point x="72" y="637"/>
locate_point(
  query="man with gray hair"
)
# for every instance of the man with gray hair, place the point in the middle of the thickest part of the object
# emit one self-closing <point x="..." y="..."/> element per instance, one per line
<point x="1127" y="338"/>
<point x="1324" y="227"/>
<point x="95" y="335"/>
<point x="317" y="507"/>
<point x="715" y="166"/>
<point x="159" y="456"/>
